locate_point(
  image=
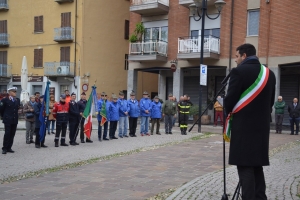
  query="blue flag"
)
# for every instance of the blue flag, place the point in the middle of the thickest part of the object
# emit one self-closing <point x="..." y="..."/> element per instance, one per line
<point x="95" y="100"/>
<point x="42" y="118"/>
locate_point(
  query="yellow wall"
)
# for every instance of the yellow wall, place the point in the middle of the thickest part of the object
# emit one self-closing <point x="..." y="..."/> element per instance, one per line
<point x="146" y="82"/>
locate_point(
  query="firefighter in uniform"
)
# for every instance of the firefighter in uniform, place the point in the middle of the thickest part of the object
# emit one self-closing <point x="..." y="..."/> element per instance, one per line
<point x="74" y="118"/>
<point x="9" y="111"/>
<point x="184" y="110"/>
<point x="61" y="114"/>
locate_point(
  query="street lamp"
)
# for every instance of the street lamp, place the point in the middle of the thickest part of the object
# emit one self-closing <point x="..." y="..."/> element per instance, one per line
<point x="199" y="8"/>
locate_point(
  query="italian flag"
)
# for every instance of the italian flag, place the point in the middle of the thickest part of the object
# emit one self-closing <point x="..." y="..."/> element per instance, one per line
<point x="103" y="114"/>
<point x="87" y="114"/>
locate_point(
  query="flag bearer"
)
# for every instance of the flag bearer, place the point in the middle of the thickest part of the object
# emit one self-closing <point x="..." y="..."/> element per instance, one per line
<point x="74" y="118"/>
<point x="103" y="106"/>
<point x="81" y="104"/>
<point x="61" y="114"/>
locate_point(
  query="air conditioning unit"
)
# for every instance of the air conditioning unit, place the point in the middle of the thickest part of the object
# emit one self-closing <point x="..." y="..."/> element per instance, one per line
<point x="63" y="70"/>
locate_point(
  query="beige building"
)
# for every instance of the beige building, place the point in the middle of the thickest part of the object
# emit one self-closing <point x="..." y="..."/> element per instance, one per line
<point x="70" y="42"/>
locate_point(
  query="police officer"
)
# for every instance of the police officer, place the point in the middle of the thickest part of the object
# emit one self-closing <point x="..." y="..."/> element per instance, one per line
<point x="74" y="118"/>
<point x="9" y="112"/>
<point x="81" y="105"/>
<point x="61" y="114"/>
<point x="184" y="110"/>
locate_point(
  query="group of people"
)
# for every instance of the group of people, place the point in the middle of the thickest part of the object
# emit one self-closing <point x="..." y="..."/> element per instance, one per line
<point x="67" y="113"/>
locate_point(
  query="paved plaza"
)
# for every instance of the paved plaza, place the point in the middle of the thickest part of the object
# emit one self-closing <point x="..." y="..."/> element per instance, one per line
<point x="162" y="163"/>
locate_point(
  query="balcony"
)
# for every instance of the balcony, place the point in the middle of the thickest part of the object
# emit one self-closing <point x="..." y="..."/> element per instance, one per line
<point x="4" y="40"/>
<point x="186" y="3"/>
<point x="153" y="50"/>
<point x="59" y="69"/>
<point x="5" y="71"/>
<point x="150" y="7"/>
<point x="64" y="1"/>
<point x="4" y="5"/>
<point x="189" y="48"/>
<point x="64" y="34"/>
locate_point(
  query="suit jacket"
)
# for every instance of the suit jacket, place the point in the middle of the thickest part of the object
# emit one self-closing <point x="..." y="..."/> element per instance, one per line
<point x="249" y="144"/>
<point x="294" y="112"/>
<point x="9" y="110"/>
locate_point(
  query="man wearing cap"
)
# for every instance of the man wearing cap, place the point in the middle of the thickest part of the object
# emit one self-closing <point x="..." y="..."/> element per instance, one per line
<point x="145" y="105"/>
<point x="68" y="97"/>
<point x="61" y="114"/>
<point x="9" y="111"/>
<point x="123" y="112"/>
<point x="113" y="116"/>
<point x="169" y="111"/>
<point x="103" y="106"/>
<point x="74" y="118"/>
<point x="155" y="115"/>
<point x="81" y="105"/>
<point x="37" y="111"/>
<point x="133" y="113"/>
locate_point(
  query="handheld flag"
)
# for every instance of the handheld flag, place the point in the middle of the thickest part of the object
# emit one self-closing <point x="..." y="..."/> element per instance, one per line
<point x="95" y="100"/>
<point x="103" y="113"/>
<point x="42" y="117"/>
<point x="87" y="114"/>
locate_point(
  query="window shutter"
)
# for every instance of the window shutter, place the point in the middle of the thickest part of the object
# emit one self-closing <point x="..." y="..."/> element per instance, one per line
<point x="5" y="57"/>
<point x="41" y="24"/>
<point x="36" y="58"/>
<point x="40" y="58"/>
<point x="3" y="26"/>
<point x="66" y="19"/>
<point x="126" y="62"/>
<point x="36" y="24"/>
<point x="65" y="54"/>
<point x="62" y="54"/>
<point x="126" y="30"/>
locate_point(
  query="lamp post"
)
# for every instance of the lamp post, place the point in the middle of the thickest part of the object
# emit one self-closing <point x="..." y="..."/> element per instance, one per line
<point x="199" y="11"/>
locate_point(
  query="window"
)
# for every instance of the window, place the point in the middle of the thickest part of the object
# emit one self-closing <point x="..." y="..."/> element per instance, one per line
<point x="63" y="88"/>
<point x="66" y="19"/>
<point x="38" y="24"/>
<point x="126" y="62"/>
<point x="3" y="57"/>
<point x="38" y="58"/>
<point x="126" y="30"/>
<point x="65" y="56"/>
<point x="156" y="33"/>
<point x="253" y="23"/>
<point x="207" y="32"/>
<point x="3" y="26"/>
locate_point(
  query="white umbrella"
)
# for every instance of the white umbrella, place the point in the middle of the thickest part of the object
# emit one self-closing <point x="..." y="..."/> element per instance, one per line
<point x="24" y="79"/>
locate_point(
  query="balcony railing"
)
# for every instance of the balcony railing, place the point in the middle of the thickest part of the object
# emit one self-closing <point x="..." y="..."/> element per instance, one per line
<point x="150" y="7"/>
<point x="193" y="45"/>
<point x="4" y="39"/>
<point x="5" y="70"/>
<point x="59" y="69"/>
<point x="64" y="34"/>
<point x="139" y="2"/>
<point x="4" y="5"/>
<point x="149" y="47"/>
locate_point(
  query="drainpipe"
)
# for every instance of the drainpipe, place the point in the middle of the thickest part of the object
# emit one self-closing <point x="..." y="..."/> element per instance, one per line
<point x="75" y="56"/>
<point x="268" y="34"/>
<point x="231" y="30"/>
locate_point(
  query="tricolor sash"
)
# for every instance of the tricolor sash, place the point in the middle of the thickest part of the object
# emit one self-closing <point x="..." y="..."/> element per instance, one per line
<point x="247" y="96"/>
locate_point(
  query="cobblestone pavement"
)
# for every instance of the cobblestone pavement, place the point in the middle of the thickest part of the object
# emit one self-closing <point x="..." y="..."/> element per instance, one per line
<point x="282" y="179"/>
<point x="136" y="176"/>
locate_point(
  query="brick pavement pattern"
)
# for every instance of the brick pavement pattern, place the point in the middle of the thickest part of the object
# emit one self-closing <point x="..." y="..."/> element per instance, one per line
<point x="136" y="176"/>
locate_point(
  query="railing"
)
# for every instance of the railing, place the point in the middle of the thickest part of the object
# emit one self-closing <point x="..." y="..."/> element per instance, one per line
<point x="149" y="47"/>
<point x="63" y="34"/>
<point x="59" y="69"/>
<point x="3" y="4"/>
<point x="193" y="45"/>
<point x="5" y="70"/>
<point x="4" y="39"/>
<point x="140" y="2"/>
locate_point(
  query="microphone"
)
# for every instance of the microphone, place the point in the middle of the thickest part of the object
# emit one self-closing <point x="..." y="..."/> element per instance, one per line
<point x="224" y="82"/>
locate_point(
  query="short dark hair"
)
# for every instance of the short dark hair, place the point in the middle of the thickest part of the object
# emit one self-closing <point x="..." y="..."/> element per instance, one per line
<point x="246" y="48"/>
<point x="36" y="93"/>
<point x="66" y="90"/>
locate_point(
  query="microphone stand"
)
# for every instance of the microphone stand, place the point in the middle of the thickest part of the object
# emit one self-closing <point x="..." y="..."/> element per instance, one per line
<point x="221" y="91"/>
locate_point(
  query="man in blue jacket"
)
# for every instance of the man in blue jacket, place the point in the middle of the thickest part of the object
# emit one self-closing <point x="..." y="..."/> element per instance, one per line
<point x="123" y="112"/>
<point x="133" y="113"/>
<point x="113" y="117"/>
<point x="155" y="115"/>
<point x="103" y="101"/>
<point x="145" y="105"/>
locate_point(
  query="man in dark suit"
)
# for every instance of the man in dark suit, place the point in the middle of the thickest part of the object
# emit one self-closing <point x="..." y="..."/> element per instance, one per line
<point x="9" y="111"/>
<point x="74" y="119"/>
<point x="294" y="112"/>
<point x="250" y="127"/>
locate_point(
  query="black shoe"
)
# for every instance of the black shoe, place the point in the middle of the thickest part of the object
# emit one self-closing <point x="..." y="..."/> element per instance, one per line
<point x="52" y="132"/>
<point x="56" y="144"/>
<point x="4" y="151"/>
<point x="44" y="146"/>
<point x="167" y="133"/>
<point x="82" y="141"/>
<point x="27" y="142"/>
<point x="31" y="141"/>
<point x="37" y="146"/>
<point x="170" y="133"/>
<point x="106" y="139"/>
<point x="88" y="141"/>
<point x="10" y="151"/>
<point x="292" y="134"/>
<point x="76" y="143"/>
<point x="119" y="137"/>
<point x="114" y="138"/>
<point x="158" y="134"/>
<point x="125" y="136"/>
<point x="64" y="144"/>
<point x="71" y="143"/>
